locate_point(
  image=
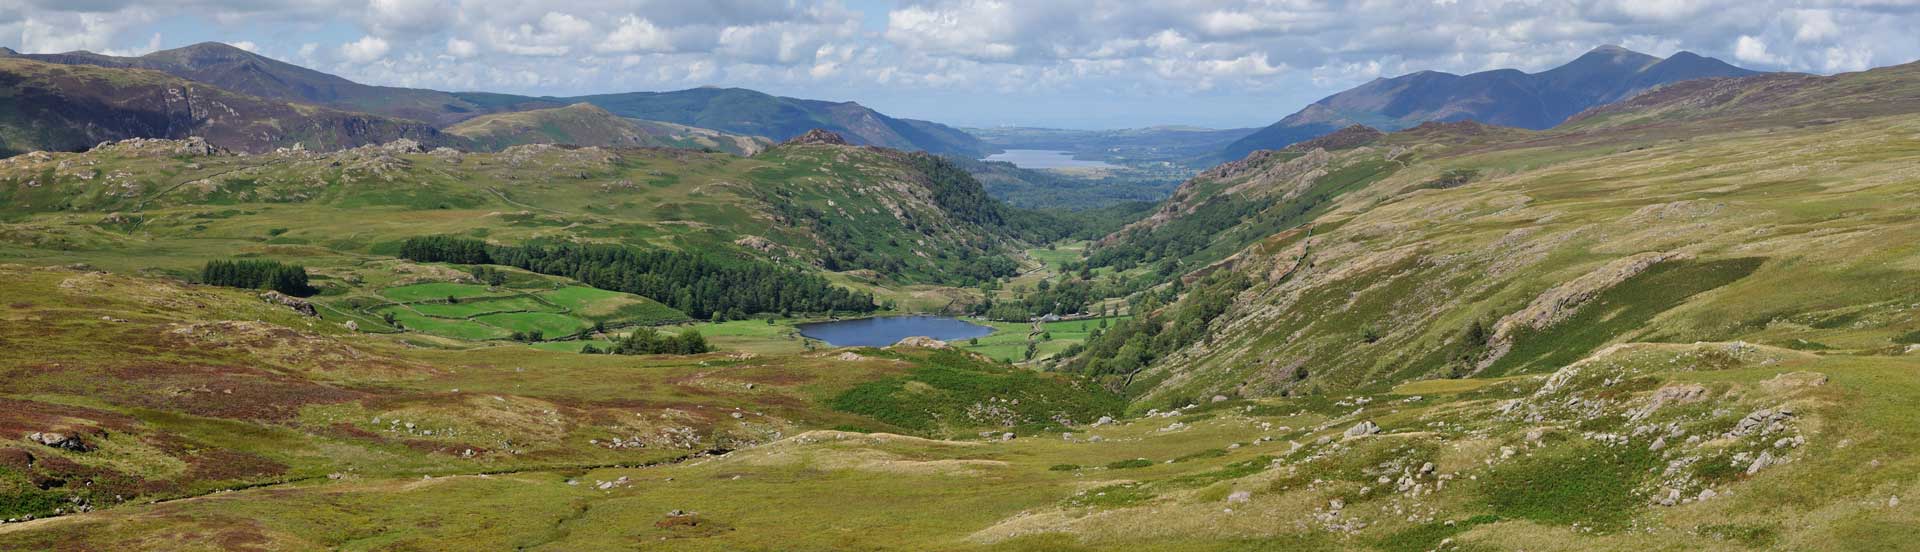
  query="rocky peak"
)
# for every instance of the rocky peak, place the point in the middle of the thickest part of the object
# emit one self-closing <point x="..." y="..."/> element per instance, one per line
<point x="818" y="136"/>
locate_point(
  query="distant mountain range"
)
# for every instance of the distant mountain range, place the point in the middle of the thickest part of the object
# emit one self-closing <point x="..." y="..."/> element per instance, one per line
<point x="729" y="110"/>
<point x="49" y="106"/>
<point x="1505" y="97"/>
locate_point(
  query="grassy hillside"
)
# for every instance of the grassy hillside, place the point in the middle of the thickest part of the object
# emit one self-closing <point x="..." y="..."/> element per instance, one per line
<point x="1470" y="251"/>
<point x="285" y="432"/>
<point x="587" y="125"/>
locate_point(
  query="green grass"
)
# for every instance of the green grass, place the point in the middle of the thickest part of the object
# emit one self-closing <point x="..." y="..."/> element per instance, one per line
<point x="436" y="291"/>
<point x="612" y="307"/>
<point x="475" y="307"/>
<point x="1591" y="485"/>
<point x="935" y="397"/>
<point x="1620" y="309"/>
<point x="548" y="324"/>
<point x="457" y="329"/>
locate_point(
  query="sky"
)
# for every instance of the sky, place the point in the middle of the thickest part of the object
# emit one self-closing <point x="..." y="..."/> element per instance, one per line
<point x="1053" y="63"/>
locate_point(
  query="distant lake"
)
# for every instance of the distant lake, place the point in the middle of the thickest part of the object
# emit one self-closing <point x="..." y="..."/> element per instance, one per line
<point x="1046" y="159"/>
<point x="886" y="330"/>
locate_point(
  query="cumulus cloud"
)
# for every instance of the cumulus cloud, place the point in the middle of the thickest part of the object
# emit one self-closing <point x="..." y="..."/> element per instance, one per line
<point x="365" y="50"/>
<point x="1287" y="51"/>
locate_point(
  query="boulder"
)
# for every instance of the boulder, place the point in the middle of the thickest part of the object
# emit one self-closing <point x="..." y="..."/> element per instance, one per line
<point x="1240" y="496"/>
<point x="61" y="441"/>
<point x="1362" y="429"/>
<point x="299" y="305"/>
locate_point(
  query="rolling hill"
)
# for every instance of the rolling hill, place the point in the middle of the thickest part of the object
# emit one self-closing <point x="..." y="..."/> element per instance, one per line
<point x="587" y="125"/>
<point x="1504" y="97"/>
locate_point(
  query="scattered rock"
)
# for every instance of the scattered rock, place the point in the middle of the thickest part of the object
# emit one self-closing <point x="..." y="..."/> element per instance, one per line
<point x="299" y="305"/>
<point x="923" y="342"/>
<point x="352" y="326"/>
<point x="1104" y="420"/>
<point x="850" y="356"/>
<point x="1362" y="429"/>
<point x="818" y="136"/>
<point x="1759" y="463"/>
<point x="1763" y="422"/>
<point x="1240" y="496"/>
<point x="1219" y="398"/>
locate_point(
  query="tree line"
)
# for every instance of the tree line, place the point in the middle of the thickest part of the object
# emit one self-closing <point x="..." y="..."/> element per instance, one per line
<point x="648" y="341"/>
<point x="257" y="274"/>
<point x="699" y="285"/>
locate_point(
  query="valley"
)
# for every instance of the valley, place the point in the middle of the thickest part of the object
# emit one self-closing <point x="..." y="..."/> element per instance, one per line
<point x="1679" y="309"/>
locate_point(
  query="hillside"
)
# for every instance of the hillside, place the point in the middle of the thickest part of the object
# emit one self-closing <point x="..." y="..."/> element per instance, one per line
<point x="73" y="107"/>
<point x="1688" y="319"/>
<point x="244" y="72"/>
<point x="732" y="110"/>
<point x="899" y="217"/>
<point x="1503" y="97"/>
<point x="742" y="111"/>
<point x="1461" y="250"/>
<point x="587" y="125"/>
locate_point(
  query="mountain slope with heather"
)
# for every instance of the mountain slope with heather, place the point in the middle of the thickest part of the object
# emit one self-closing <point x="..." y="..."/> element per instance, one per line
<point x="1504" y="97"/>
<point x="731" y="110"/>
<point x="245" y="72"/>
<point x="73" y="107"/>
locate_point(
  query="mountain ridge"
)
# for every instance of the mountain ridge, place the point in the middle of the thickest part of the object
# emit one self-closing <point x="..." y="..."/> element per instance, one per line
<point x="779" y="118"/>
<point x="1505" y="97"/>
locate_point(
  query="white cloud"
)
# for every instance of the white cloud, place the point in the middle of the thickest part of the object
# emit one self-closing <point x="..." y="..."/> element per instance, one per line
<point x="1814" y="26"/>
<point x="1752" y="50"/>
<point x="247" y="45"/>
<point x="463" y="49"/>
<point x="636" y="34"/>
<point x="1162" y="53"/>
<point x="395" y="18"/>
<point x="365" y="50"/>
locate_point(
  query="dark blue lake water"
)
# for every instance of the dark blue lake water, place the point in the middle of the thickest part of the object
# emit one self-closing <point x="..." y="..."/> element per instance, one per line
<point x="882" y="331"/>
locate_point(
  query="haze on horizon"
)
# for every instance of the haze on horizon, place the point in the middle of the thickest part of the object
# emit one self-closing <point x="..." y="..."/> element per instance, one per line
<point x="1068" y="63"/>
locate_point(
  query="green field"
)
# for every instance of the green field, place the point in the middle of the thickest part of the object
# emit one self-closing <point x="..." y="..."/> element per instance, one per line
<point x="437" y="291"/>
<point x="475" y="307"/>
<point x="612" y="307"/>
<point x="548" y="324"/>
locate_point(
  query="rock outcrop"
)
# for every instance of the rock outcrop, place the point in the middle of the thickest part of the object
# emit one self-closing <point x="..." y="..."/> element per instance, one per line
<point x="818" y="136"/>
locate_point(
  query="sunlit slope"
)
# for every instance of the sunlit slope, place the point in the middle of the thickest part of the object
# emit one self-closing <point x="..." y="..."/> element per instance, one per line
<point x="891" y="214"/>
<point x="1778" y="222"/>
